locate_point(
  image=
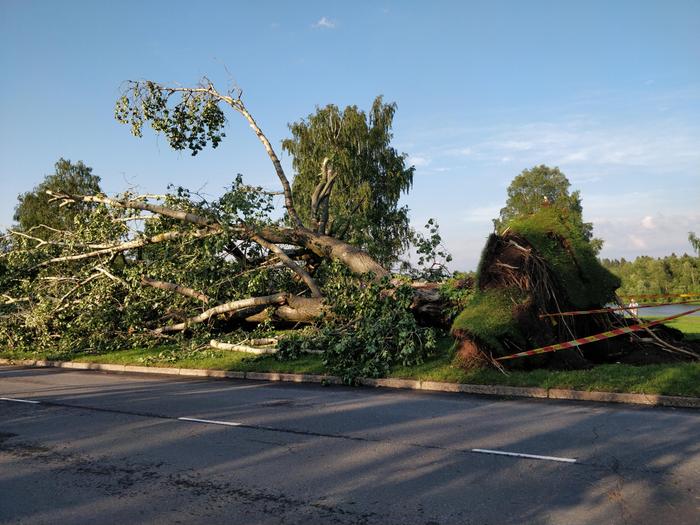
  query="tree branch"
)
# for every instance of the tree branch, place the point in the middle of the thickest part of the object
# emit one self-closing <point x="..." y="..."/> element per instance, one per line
<point x="138" y="205"/>
<point x="289" y="263"/>
<point x="176" y="288"/>
<point x="237" y="104"/>
<point x="232" y="306"/>
<point x="130" y="245"/>
<point x="321" y="196"/>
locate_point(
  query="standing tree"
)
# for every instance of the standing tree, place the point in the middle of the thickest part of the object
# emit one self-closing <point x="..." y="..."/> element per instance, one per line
<point x="540" y="187"/>
<point x="349" y="179"/>
<point x="34" y="210"/>
<point x="694" y="241"/>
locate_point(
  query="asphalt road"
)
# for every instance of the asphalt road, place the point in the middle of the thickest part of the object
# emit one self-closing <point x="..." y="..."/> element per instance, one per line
<point x="102" y="448"/>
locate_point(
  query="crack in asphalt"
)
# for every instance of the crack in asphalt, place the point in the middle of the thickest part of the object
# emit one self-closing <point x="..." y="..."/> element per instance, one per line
<point x="129" y="477"/>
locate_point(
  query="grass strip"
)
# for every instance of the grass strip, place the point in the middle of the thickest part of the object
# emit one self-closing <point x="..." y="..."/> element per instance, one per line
<point x="680" y="379"/>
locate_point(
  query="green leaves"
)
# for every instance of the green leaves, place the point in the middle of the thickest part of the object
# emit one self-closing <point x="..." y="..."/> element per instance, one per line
<point x="370" y="174"/>
<point x="433" y="257"/>
<point x="369" y="329"/>
<point x="34" y="209"/>
<point x="191" y="122"/>
<point x="544" y="187"/>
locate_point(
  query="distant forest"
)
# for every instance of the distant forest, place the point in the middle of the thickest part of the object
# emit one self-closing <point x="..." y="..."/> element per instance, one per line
<point x="646" y="275"/>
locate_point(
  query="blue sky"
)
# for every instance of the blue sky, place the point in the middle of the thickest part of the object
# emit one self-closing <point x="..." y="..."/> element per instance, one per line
<point x="607" y="91"/>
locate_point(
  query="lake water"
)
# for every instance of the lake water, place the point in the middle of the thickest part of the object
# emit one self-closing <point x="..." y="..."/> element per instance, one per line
<point x="667" y="311"/>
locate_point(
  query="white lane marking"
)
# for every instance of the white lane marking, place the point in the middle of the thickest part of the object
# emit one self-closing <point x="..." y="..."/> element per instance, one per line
<point x="19" y="400"/>
<point x="210" y="421"/>
<point x="519" y="455"/>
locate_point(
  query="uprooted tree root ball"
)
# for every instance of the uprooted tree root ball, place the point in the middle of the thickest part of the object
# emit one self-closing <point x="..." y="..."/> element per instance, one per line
<point x="539" y="266"/>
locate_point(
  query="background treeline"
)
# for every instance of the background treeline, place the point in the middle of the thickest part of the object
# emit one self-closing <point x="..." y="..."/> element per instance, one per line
<point x="672" y="274"/>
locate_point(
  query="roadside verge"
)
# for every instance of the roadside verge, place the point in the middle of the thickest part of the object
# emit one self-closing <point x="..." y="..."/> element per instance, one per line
<point x="407" y="384"/>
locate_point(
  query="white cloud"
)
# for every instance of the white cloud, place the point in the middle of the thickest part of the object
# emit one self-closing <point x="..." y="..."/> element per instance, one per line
<point x="517" y="145"/>
<point x="586" y="143"/>
<point x="636" y="234"/>
<point x="637" y="242"/>
<point x="648" y="223"/>
<point x="418" y="161"/>
<point x="324" y="23"/>
<point x="460" y="152"/>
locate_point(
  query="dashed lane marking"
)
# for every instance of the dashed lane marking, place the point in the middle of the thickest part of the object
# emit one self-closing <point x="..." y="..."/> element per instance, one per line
<point x="211" y="421"/>
<point x="15" y="400"/>
<point x="521" y="455"/>
<point x="354" y="438"/>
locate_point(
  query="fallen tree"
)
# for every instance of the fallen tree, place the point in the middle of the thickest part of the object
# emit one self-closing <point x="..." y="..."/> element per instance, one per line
<point x="141" y="269"/>
<point x="135" y="269"/>
<point x="530" y="276"/>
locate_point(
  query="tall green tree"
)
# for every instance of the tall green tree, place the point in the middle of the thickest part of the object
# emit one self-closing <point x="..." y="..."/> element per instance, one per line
<point x="694" y="242"/>
<point x="348" y="177"/>
<point x="34" y="208"/>
<point x="543" y="186"/>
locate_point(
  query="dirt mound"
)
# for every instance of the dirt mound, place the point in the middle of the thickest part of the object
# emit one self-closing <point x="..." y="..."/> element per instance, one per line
<point x="538" y="266"/>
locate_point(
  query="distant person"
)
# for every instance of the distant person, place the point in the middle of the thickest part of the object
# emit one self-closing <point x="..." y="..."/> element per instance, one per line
<point x="633" y="308"/>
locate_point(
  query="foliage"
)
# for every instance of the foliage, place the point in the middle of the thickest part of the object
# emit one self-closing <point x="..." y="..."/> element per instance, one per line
<point x="130" y="270"/>
<point x="370" y="175"/>
<point x="101" y="304"/>
<point x="34" y="209"/>
<point x="433" y="257"/>
<point x="540" y="187"/>
<point x="694" y="242"/>
<point x="569" y="255"/>
<point x="488" y="317"/>
<point x="457" y="291"/>
<point x="672" y="274"/>
<point x="191" y="122"/>
<point x="369" y="328"/>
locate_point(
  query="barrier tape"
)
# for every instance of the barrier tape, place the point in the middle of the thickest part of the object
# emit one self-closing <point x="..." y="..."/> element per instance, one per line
<point x="659" y="295"/>
<point x="611" y="309"/>
<point x="593" y="338"/>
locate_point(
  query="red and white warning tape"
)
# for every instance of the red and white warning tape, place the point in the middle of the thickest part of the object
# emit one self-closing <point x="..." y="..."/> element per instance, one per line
<point x="593" y="338"/>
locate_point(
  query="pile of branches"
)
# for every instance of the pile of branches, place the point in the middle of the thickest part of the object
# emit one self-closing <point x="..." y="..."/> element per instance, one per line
<point x="141" y="269"/>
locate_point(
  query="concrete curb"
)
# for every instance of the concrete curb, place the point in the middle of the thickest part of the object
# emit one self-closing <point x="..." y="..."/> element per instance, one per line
<point x="405" y="384"/>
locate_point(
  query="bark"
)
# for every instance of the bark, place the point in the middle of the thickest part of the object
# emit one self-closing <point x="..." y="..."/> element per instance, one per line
<point x="136" y="243"/>
<point x="232" y="306"/>
<point x="242" y="348"/>
<point x="296" y="310"/>
<point x="356" y="259"/>
<point x="320" y="199"/>
<point x="289" y="263"/>
<point x="237" y="104"/>
<point x="428" y="305"/>
<point x="139" y="205"/>
<point x="176" y="288"/>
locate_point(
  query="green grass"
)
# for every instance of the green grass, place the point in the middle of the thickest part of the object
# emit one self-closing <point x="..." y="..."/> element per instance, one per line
<point x="681" y="379"/>
<point x="670" y="379"/>
<point x="689" y="325"/>
<point x="223" y="360"/>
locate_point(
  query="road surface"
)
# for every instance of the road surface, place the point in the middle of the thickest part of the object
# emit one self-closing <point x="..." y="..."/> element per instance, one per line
<point x="105" y="448"/>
